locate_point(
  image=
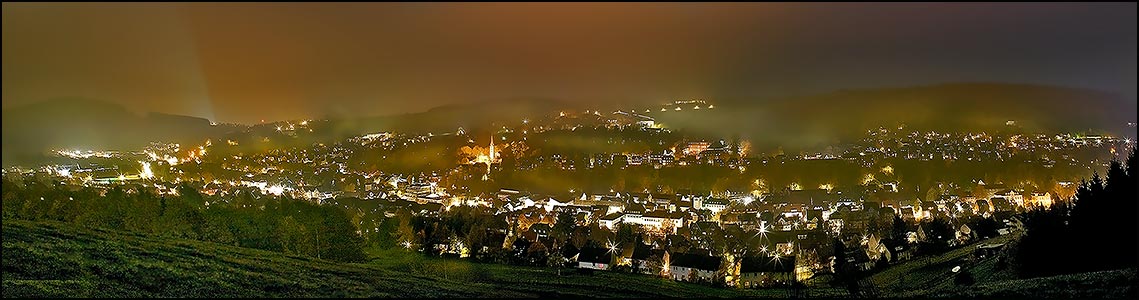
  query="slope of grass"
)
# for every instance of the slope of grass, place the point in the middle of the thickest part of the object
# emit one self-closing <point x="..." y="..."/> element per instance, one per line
<point x="1115" y="284"/>
<point x="48" y="259"/>
<point x="547" y="283"/>
<point x="928" y="272"/>
<point x="932" y="277"/>
<point x="60" y="260"/>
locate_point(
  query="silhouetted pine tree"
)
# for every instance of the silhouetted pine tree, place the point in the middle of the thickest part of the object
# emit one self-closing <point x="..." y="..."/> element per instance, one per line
<point x="1099" y="233"/>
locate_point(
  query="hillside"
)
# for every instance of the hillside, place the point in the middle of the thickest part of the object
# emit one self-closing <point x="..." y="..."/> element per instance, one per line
<point x="56" y="260"/>
<point x="932" y="277"/>
<point x="31" y="131"/>
<point x="49" y="259"/>
<point x="813" y="119"/>
<point x="448" y="118"/>
<point x="59" y="260"/>
<point x="1094" y="285"/>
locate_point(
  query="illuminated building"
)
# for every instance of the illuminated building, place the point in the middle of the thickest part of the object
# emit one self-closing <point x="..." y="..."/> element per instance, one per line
<point x="695" y="148"/>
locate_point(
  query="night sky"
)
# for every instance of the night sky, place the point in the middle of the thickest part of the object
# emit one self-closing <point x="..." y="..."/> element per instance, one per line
<point x="273" y="61"/>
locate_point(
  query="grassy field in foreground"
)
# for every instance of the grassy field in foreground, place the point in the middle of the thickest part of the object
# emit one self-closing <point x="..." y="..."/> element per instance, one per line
<point x="1115" y="284"/>
<point x="932" y="277"/>
<point x="60" y="260"/>
<point x="47" y="259"/>
<point x="932" y="272"/>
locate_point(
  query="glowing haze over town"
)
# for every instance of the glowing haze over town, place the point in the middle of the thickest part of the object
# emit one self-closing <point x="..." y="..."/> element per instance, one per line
<point x="772" y="150"/>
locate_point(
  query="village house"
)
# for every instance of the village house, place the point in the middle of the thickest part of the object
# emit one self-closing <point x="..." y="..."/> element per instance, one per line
<point x="712" y="204"/>
<point x="766" y="271"/>
<point x="610" y="221"/>
<point x="648" y="260"/>
<point x="1039" y="199"/>
<point x="693" y="267"/>
<point x="595" y="258"/>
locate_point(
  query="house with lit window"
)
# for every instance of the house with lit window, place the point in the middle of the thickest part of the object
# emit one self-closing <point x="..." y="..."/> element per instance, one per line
<point x="712" y="204"/>
<point x="595" y="258"/>
<point x="766" y="271"/>
<point x="610" y="221"/>
<point x="1039" y="199"/>
<point x="693" y="267"/>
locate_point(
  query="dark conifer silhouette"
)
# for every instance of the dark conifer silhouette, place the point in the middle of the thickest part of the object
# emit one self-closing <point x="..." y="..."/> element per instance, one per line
<point x="1096" y="231"/>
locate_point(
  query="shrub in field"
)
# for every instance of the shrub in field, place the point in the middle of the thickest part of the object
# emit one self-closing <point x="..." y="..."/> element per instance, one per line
<point x="963" y="278"/>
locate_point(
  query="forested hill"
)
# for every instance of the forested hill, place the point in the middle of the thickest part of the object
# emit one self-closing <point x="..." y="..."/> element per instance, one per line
<point x="962" y="107"/>
<point x="30" y="131"/>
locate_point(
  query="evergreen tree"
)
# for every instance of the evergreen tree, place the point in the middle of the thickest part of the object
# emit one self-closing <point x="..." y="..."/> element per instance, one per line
<point x="1099" y="233"/>
<point x="899" y="228"/>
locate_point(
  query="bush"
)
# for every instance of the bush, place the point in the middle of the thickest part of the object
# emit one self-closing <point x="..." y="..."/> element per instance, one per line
<point x="963" y="278"/>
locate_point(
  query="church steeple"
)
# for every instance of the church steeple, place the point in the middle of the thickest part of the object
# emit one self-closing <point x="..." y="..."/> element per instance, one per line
<point x="491" y="156"/>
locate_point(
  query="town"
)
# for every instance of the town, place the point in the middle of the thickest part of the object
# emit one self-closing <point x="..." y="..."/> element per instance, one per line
<point x="700" y="210"/>
<point x="569" y="150"/>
